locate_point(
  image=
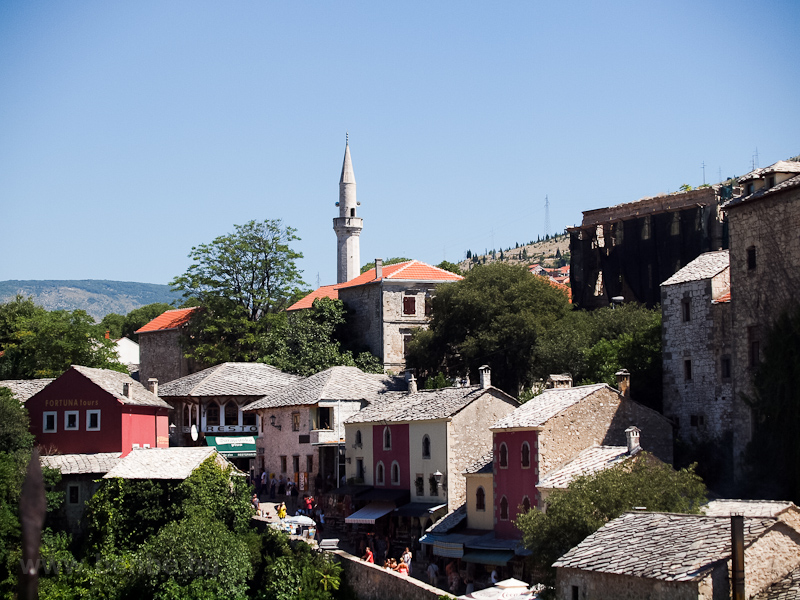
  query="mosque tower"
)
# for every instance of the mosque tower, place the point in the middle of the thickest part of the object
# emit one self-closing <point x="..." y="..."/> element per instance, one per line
<point x="347" y="225"/>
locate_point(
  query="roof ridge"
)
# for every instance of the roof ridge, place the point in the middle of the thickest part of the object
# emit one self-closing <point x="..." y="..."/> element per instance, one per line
<point x="403" y="267"/>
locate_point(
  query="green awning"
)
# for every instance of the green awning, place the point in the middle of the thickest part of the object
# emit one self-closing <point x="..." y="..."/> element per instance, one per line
<point x="487" y="557"/>
<point x="234" y="446"/>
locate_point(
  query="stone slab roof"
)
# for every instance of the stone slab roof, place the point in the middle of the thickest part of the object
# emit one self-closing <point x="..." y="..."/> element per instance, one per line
<point x="450" y="521"/>
<point x="791" y="183"/>
<point x="782" y="166"/>
<point x="229" y="379"/>
<point x="163" y="463"/>
<point x="25" y="388"/>
<point x="485" y="464"/>
<point x="540" y="409"/>
<point x="335" y="383"/>
<point x="787" y="588"/>
<point x="748" y="508"/>
<point x="79" y="464"/>
<point x="112" y="382"/>
<point x="705" y="266"/>
<point x="424" y="405"/>
<point x="665" y="546"/>
<point x="591" y="460"/>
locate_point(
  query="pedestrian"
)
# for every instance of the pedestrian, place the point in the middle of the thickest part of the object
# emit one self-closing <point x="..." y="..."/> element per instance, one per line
<point x="295" y="494"/>
<point x="273" y="486"/>
<point x="433" y="573"/>
<point x="263" y="487"/>
<point x="406" y="558"/>
<point x="494" y="577"/>
<point x="256" y="504"/>
<point x="368" y="556"/>
<point x="282" y="511"/>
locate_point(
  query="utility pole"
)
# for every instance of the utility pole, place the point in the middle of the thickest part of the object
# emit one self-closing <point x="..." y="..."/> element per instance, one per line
<point x="704" y="172"/>
<point x="546" y="216"/>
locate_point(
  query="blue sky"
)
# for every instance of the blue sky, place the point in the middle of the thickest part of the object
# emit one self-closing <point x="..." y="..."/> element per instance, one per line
<point x="132" y="131"/>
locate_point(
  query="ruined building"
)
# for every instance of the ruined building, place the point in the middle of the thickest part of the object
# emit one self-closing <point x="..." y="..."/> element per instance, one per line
<point x="629" y="249"/>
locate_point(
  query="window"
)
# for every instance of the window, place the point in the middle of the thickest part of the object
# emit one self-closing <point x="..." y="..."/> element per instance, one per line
<point x="406" y="341"/>
<point x="687" y="370"/>
<point x="434" y="485"/>
<point x="387" y="438"/>
<point x="49" y="422"/>
<point x="726" y="367"/>
<point x="352" y="212"/>
<point x="249" y="418"/>
<point x="675" y="226"/>
<point x="504" y="509"/>
<point x="325" y="417"/>
<point x="751" y="258"/>
<point x="231" y="413"/>
<point x="295" y="421"/>
<point x="755" y="350"/>
<point x="309" y="463"/>
<point x="379" y="474"/>
<point x="187" y="416"/>
<point x="426" y="447"/>
<point x="71" y="420"/>
<point x="360" y="469"/>
<point x="697" y="420"/>
<point x="503" y="456"/>
<point x="92" y="420"/>
<point x="395" y="473"/>
<point x="749" y="189"/>
<point x="419" y="484"/>
<point x="686" y="310"/>
<point x="770" y="181"/>
<point x="296" y="463"/>
<point x="358" y="439"/>
<point x="480" y="499"/>
<point x="409" y="305"/>
<point x="646" y="228"/>
<point x="212" y="414"/>
<point x="526" y="455"/>
<point x="576" y="592"/>
<point x="283" y="464"/>
<point x="526" y="504"/>
<point x="73" y="493"/>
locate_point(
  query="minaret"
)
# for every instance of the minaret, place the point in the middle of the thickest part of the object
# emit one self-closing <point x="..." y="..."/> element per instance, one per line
<point x="347" y="225"/>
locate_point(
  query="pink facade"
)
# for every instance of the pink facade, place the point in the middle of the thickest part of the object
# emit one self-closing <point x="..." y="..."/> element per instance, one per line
<point x="516" y="474"/>
<point x="391" y="455"/>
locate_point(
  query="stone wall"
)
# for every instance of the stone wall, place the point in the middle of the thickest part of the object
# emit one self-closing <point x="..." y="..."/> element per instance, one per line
<point x="371" y="582"/>
<point x="607" y="586"/>
<point x="601" y="418"/>
<point x="770" y="558"/>
<point x="364" y="302"/>
<point x="161" y="356"/>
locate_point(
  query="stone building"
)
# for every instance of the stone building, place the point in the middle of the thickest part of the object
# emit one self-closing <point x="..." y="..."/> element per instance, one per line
<point x="629" y="249"/>
<point x="764" y="271"/>
<point x="674" y="556"/>
<point x="160" y="350"/>
<point x="22" y="389"/>
<point x="696" y="350"/>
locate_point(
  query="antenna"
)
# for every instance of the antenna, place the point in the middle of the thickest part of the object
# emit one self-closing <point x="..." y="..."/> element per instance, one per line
<point x="546" y="216"/>
<point x="704" y="172"/>
<point x="317" y="279"/>
<point x="756" y="163"/>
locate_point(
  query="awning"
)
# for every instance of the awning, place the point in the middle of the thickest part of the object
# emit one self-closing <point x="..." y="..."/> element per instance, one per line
<point x="370" y="513"/>
<point x="233" y="446"/>
<point x="417" y="509"/>
<point x="450" y="545"/>
<point x="487" y="557"/>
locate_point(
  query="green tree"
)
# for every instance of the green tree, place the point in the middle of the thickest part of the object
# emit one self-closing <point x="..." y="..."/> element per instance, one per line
<point x="125" y="326"/>
<point x="386" y="263"/>
<point x="593" y="500"/>
<point x="448" y="266"/>
<point x="37" y="343"/>
<point x="493" y="316"/>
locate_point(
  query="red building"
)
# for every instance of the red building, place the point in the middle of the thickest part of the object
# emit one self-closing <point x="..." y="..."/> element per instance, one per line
<point x="516" y="475"/>
<point x="96" y="410"/>
<point x="391" y="456"/>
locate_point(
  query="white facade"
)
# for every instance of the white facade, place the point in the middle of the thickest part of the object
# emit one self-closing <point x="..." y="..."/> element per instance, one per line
<point x="347" y="225"/>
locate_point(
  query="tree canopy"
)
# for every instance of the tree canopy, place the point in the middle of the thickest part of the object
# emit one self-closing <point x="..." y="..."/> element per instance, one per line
<point x="593" y="500"/>
<point x="121" y="326"/>
<point x="388" y="261"/>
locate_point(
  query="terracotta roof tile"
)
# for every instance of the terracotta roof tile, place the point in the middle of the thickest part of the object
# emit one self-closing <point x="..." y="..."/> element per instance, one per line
<point x="326" y="291"/>
<point x="726" y="297"/>
<point x="171" y="319"/>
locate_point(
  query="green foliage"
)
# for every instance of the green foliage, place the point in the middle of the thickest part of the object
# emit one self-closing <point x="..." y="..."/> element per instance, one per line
<point x="386" y="263"/>
<point x="686" y="188"/>
<point x="593" y="500"/>
<point x="448" y="266"/>
<point x="494" y="316"/>
<point x="124" y="326"/>
<point x="438" y="381"/>
<point x="773" y="456"/>
<point x="37" y="343"/>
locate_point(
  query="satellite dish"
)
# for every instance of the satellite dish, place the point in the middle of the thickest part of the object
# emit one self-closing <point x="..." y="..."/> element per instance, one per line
<point x="194" y="433"/>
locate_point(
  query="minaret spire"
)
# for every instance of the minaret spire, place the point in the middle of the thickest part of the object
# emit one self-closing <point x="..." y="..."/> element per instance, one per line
<point x="347" y="225"/>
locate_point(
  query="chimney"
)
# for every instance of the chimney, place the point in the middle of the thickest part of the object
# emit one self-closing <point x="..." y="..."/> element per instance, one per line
<point x="624" y="382"/>
<point x="412" y="385"/>
<point x="632" y="434"/>
<point x="737" y="557"/>
<point x="378" y="268"/>
<point x="152" y="385"/>
<point x="126" y="390"/>
<point x="486" y="376"/>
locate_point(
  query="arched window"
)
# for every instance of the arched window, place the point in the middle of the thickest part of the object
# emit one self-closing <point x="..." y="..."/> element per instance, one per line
<point x="504" y="509"/>
<point x="503" y="456"/>
<point x="212" y="414"/>
<point x="526" y="455"/>
<point x="231" y="413"/>
<point x="426" y="447"/>
<point x="526" y="504"/>
<point x="387" y="438"/>
<point x="187" y="418"/>
<point x="480" y="499"/>
<point x="395" y="473"/>
<point x="249" y="418"/>
<point x="358" y="438"/>
<point x="379" y="474"/>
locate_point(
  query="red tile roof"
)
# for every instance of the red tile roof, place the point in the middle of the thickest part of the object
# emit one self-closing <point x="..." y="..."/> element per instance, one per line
<point x="172" y="319"/>
<point x="412" y="270"/>
<point x="559" y="286"/>
<point x="726" y="297"/>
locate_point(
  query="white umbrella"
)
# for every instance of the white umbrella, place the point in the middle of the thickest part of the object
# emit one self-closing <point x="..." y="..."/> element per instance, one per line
<point x="300" y="520"/>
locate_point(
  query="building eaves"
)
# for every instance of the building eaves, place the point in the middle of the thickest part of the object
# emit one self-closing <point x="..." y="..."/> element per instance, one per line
<point x="484" y="465"/>
<point x="166" y="321"/>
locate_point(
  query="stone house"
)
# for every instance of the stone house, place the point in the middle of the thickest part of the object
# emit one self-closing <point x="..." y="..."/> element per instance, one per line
<point x="664" y="555"/>
<point x="697" y="346"/>
<point x="25" y="388"/>
<point x="85" y="411"/>
<point x="764" y="271"/>
<point x="563" y="432"/>
<point x="302" y="431"/>
<point x="160" y="353"/>
<point x="166" y="463"/>
<point x="212" y="401"/>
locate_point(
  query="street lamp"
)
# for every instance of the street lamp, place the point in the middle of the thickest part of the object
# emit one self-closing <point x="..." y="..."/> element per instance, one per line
<point x="272" y="422"/>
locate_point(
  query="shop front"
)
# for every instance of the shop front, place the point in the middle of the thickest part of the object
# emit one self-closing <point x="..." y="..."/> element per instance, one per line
<point x="240" y="450"/>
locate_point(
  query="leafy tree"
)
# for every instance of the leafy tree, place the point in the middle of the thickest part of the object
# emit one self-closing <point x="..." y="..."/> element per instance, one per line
<point x="387" y="262"/>
<point x="493" y="316"/>
<point x="37" y="343"/>
<point x="125" y="326"/>
<point x="448" y="266"/>
<point x="593" y="500"/>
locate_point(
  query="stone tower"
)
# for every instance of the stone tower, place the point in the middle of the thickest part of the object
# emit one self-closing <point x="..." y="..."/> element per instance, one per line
<point x="347" y="225"/>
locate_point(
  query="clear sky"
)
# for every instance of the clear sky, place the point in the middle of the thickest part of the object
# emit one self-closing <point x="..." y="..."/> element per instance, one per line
<point x="132" y="131"/>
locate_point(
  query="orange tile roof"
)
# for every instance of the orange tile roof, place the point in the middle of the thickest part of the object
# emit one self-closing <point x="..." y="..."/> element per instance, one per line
<point x="559" y="286"/>
<point x="172" y="319"/>
<point x="726" y="297"/>
<point x="326" y="291"/>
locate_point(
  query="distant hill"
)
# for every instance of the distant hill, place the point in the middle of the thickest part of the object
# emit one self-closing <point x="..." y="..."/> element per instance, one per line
<point x="96" y="297"/>
<point x="553" y="252"/>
